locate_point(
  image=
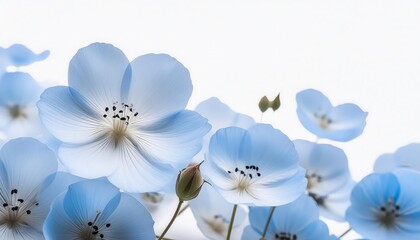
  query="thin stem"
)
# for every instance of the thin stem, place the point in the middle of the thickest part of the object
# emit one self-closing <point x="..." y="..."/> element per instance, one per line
<point x="183" y="209"/>
<point x="344" y="233"/>
<point x="232" y="218"/>
<point x="268" y="222"/>
<point x="172" y="220"/>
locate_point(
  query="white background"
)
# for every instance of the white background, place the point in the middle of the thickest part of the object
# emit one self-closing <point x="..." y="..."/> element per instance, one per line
<point x="363" y="52"/>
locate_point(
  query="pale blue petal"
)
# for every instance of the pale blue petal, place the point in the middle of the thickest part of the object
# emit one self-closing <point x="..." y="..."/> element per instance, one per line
<point x="68" y="117"/>
<point x="258" y="218"/>
<point x="310" y="104"/>
<point x="385" y="163"/>
<point x="409" y="198"/>
<point x="85" y="198"/>
<point x="97" y="72"/>
<point x="27" y="163"/>
<point x="316" y="230"/>
<point x="129" y="220"/>
<point x="18" y="89"/>
<point x="175" y="139"/>
<point x="59" y="225"/>
<point x="327" y="162"/>
<point x="20" y="55"/>
<point x="295" y="216"/>
<point x="250" y="234"/>
<point x="21" y="232"/>
<point x="270" y="150"/>
<point x="221" y="115"/>
<point x="409" y="156"/>
<point x="160" y="86"/>
<point x="348" y="122"/>
<point x="54" y="185"/>
<point x="335" y="204"/>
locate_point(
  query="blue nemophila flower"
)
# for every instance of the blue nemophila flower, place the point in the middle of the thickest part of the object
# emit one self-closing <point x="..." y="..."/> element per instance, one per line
<point x="386" y="206"/>
<point x="95" y="209"/>
<point x="212" y="213"/>
<point x="298" y="220"/>
<point x="219" y="116"/>
<point x="19" y="93"/>
<point x="258" y="166"/>
<point x="28" y="185"/>
<point x="19" y="55"/>
<point x="124" y="120"/>
<point x="340" y="123"/>
<point x="328" y="176"/>
<point x="326" y="166"/>
<point x="407" y="156"/>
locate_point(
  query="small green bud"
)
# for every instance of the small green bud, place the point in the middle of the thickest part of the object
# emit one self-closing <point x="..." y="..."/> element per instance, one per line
<point x="189" y="182"/>
<point x="264" y="104"/>
<point x="275" y="104"/>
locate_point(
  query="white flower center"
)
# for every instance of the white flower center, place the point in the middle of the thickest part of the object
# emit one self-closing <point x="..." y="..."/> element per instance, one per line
<point x="244" y="177"/>
<point x="121" y="114"/>
<point x="13" y="209"/>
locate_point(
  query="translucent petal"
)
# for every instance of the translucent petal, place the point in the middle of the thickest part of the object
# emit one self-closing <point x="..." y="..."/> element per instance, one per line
<point x="335" y="204"/>
<point x="26" y="125"/>
<point x="68" y="117"/>
<point x="175" y="139"/>
<point x="85" y="199"/>
<point x="129" y="220"/>
<point x="21" y="232"/>
<point x="20" y="55"/>
<point x="59" y="225"/>
<point x="348" y="122"/>
<point x="315" y="230"/>
<point x="54" y="185"/>
<point x="250" y="234"/>
<point x="27" y="163"/>
<point x="97" y="72"/>
<point x="18" y="89"/>
<point x="409" y="156"/>
<point x="385" y="163"/>
<point x="160" y="86"/>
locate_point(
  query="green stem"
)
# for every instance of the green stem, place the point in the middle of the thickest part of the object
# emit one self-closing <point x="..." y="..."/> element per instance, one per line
<point x="232" y="218"/>
<point x="344" y="233"/>
<point x="172" y="220"/>
<point x="183" y="209"/>
<point x="268" y="222"/>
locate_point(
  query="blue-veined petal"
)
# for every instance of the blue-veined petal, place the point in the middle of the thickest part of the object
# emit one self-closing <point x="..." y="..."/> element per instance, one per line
<point x="160" y="86"/>
<point x="27" y="162"/>
<point x="69" y="118"/>
<point x="129" y="220"/>
<point x="175" y="139"/>
<point x="97" y="72"/>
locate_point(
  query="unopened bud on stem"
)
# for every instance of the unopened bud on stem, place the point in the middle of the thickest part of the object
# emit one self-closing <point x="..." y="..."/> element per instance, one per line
<point x="189" y="182"/>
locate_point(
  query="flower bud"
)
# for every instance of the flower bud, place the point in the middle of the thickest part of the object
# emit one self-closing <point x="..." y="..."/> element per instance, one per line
<point x="264" y="104"/>
<point x="275" y="104"/>
<point x="189" y="182"/>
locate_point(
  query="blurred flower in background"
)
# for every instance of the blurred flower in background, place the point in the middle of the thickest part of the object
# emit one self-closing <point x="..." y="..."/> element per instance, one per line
<point x="407" y="156"/>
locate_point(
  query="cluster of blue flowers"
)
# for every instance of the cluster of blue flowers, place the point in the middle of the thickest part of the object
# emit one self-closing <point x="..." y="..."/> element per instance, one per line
<point x="101" y="158"/>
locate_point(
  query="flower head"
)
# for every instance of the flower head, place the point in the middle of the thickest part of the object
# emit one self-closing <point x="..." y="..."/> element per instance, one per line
<point x="28" y="185"/>
<point x="341" y="123"/>
<point x="298" y="220"/>
<point x="124" y="120"/>
<point x="386" y="206"/>
<point x="19" y="93"/>
<point x="189" y="182"/>
<point x="258" y="166"/>
<point x="95" y="209"/>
